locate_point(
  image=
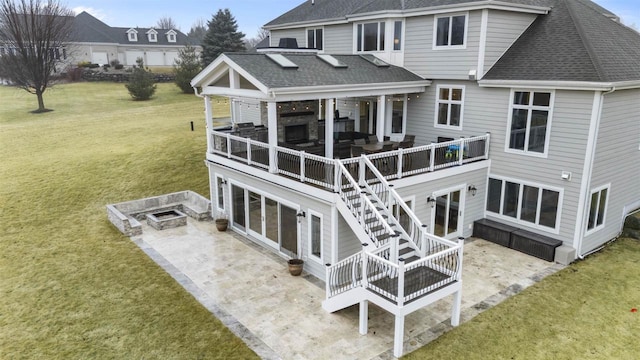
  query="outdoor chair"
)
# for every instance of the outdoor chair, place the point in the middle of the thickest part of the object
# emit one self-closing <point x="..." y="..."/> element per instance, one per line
<point x="387" y="147"/>
<point x="373" y="139"/>
<point x="411" y="138"/>
<point x="404" y="144"/>
<point x="359" y="141"/>
<point x="356" y="150"/>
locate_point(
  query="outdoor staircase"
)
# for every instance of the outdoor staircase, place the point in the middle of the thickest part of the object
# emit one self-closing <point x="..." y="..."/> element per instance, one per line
<point x="401" y="267"/>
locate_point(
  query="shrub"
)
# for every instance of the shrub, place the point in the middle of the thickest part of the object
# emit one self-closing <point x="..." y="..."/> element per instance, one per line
<point x="119" y="66"/>
<point x="141" y="86"/>
<point x="115" y="62"/>
<point x="74" y="74"/>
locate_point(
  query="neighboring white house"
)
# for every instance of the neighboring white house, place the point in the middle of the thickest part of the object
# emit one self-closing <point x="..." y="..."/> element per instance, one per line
<point x="97" y="42"/>
<point x="525" y="113"/>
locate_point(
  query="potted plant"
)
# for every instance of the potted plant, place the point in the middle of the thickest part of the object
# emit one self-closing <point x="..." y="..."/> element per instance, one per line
<point x="295" y="266"/>
<point x="222" y="222"/>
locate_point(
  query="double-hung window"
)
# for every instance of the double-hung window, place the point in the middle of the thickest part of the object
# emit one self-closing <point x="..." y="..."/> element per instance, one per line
<point x="370" y="36"/>
<point x="315" y="39"/>
<point x="597" y="208"/>
<point x="220" y="192"/>
<point x="450" y="31"/>
<point x="449" y="106"/>
<point x="530" y="122"/>
<point x="527" y="203"/>
<point x="315" y="236"/>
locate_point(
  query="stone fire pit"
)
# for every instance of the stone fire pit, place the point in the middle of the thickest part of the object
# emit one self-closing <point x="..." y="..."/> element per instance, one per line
<point x="166" y="219"/>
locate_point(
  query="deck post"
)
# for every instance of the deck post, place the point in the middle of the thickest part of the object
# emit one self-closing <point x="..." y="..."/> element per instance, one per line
<point x="364" y="314"/>
<point x="208" y="114"/>
<point x="328" y="128"/>
<point x="457" y="296"/>
<point x="398" y="337"/>
<point x="382" y="112"/>
<point x="432" y="157"/>
<point x="272" y="128"/>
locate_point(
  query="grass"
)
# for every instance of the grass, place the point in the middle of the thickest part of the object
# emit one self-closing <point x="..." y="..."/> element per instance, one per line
<point x="72" y="286"/>
<point x="581" y="312"/>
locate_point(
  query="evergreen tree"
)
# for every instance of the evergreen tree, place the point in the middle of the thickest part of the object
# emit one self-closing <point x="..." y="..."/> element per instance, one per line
<point x="222" y="36"/>
<point x="198" y="31"/>
<point x="141" y="86"/>
<point x="186" y="67"/>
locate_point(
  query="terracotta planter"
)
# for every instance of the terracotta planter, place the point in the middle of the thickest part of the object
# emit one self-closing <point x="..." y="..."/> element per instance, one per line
<point x="295" y="266"/>
<point x="221" y="224"/>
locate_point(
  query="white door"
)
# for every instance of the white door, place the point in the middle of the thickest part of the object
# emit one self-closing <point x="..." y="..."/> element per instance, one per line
<point x="446" y="216"/>
<point x="99" y="58"/>
<point x="133" y="55"/>
<point x="155" y="58"/>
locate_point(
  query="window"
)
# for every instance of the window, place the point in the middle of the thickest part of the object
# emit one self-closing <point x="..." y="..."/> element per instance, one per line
<point x="153" y="37"/>
<point x="171" y="38"/>
<point x="315" y="39"/>
<point x="597" y="209"/>
<point x="397" y="35"/>
<point x="133" y="35"/>
<point x="449" y="106"/>
<point x="397" y="115"/>
<point x="315" y="236"/>
<point x="530" y="121"/>
<point x="220" y="192"/>
<point x="370" y="36"/>
<point x="450" y="31"/>
<point x="528" y="203"/>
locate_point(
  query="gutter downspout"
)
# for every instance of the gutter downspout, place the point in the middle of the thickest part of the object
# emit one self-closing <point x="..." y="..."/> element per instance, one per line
<point x="586" y="175"/>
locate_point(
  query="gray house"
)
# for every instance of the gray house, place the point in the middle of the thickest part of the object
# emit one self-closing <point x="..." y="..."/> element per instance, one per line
<point x="372" y="137"/>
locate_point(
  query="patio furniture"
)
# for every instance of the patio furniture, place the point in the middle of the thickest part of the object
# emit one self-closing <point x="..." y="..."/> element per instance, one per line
<point x="373" y="139"/>
<point x="405" y="144"/>
<point x="377" y="147"/>
<point x="356" y="150"/>
<point x="359" y="141"/>
<point x="411" y="138"/>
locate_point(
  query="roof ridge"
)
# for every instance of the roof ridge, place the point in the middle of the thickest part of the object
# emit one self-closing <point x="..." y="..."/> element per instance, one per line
<point x="597" y="65"/>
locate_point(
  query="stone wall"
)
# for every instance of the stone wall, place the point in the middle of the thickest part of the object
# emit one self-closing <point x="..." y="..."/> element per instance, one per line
<point x="308" y="114"/>
<point x="122" y="77"/>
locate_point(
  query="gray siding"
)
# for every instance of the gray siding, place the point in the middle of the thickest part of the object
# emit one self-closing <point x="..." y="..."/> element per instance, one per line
<point x="299" y="34"/>
<point x="348" y="243"/>
<point x="338" y="39"/>
<point x="249" y="111"/>
<point x="420" y="57"/>
<point x="473" y="207"/>
<point x="617" y="162"/>
<point x="486" y="110"/>
<point x="503" y="28"/>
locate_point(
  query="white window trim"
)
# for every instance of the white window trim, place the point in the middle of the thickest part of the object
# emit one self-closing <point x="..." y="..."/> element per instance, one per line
<point x="132" y="35"/>
<point x="153" y="37"/>
<point x="171" y="38"/>
<point x="606" y="207"/>
<point x="463" y="193"/>
<point x="310" y="254"/>
<point x="450" y="47"/>
<point x="220" y="209"/>
<point x="386" y="32"/>
<point x="306" y="36"/>
<point x="435" y="119"/>
<point x="516" y="219"/>
<point x="552" y="98"/>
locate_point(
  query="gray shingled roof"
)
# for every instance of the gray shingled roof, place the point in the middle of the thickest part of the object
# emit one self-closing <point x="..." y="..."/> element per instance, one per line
<point x="89" y="29"/>
<point x="313" y="71"/>
<point x="340" y="9"/>
<point x="574" y="42"/>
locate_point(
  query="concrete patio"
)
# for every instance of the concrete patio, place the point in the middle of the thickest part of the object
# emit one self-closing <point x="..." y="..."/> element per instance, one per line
<point x="280" y="317"/>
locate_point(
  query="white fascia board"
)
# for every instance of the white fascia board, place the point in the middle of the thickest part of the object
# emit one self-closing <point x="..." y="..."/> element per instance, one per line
<point x="211" y="73"/>
<point x="235" y="93"/>
<point x="377" y="15"/>
<point x="198" y="79"/>
<point x="321" y="92"/>
<point x="542" y="84"/>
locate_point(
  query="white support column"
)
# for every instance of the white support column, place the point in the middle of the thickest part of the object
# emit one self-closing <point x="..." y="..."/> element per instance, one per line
<point x="328" y="128"/>
<point x="208" y="115"/>
<point x="234" y="79"/>
<point x="364" y="315"/>
<point x="455" y="308"/>
<point x="382" y="111"/>
<point x="398" y="338"/>
<point x="272" y="127"/>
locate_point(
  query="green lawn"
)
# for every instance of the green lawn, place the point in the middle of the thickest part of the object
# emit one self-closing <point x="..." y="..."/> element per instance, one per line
<point x="71" y="286"/>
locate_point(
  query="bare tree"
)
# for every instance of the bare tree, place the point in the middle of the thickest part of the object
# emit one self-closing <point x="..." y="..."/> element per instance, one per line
<point x="252" y="42"/>
<point x="35" y="34"/>
<point x="166" y="22"/>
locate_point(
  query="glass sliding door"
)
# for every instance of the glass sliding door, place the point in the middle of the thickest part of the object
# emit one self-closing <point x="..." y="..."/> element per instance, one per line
<point x="238" y="213"/>
<point x="255" y="213"/>
<point x="445" y="217"/>
<point x="289" y="238"/>
<point x="272" y="220"/>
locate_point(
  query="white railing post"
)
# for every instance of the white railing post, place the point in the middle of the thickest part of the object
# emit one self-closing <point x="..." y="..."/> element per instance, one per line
<point x="365" y="261"/>
<point x="228" y="146"/>
<point x="400" y="282"/>
<point x="393" y="249"/>
<point x="432" y="157"/>
<point x="423" y="240"/>
<point x="302" y="153"/>
<point x="460" y="254"/>
<point x="327" y="280"/>
<point x="460" y="151"/>
<point x="400" y="157"/>
<point x="273" y="159"/>
<point x="337" y="176"/>
<point x="486" y="146"/>
<point x="249" y="151"/>
<point x="361" y="171"/>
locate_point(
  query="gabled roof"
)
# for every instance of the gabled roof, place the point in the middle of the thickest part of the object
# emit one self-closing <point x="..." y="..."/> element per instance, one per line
<point x="309" y="74"/>
<point x="89" y="29"/>
<point x="331" y="10"/>
<point x="574" y="42"/>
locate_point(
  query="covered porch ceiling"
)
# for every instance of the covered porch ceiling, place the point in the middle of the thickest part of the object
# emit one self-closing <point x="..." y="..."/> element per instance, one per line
<point x="292" y="77"/>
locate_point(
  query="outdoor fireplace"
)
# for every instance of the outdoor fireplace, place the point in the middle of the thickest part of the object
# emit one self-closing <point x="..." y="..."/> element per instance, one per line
<point x="297" y="133"/>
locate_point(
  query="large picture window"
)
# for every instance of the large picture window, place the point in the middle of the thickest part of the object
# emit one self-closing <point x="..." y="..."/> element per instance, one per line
<point x="315" y="39"/>
<point x="527" y="203"/>
<point x="530" y="121"/>
<point x="450" y="31"/>
<point x="370" y="36"/>
<point x="449" y="106"/>
<point x="598" y="208"/>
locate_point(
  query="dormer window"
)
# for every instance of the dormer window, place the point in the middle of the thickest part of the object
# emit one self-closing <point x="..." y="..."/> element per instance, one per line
<point x="171" y="36"/>
<point x="132" y="34"/>
<point x="152" y="35"/>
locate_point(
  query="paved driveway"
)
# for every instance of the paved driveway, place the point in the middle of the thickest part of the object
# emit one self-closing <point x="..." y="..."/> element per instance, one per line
<point x="279" y="316"/>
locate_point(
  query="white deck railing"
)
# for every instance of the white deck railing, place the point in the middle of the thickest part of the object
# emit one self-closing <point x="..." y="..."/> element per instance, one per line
<point x="321" y="171"/>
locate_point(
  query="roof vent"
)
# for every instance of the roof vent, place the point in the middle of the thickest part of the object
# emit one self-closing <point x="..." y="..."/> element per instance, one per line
<point x="288" y="43"/>
<point x="282" y="61"/>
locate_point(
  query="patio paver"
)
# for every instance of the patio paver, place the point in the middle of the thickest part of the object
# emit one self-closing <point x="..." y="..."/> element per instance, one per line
<point x="250" y="290"/>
